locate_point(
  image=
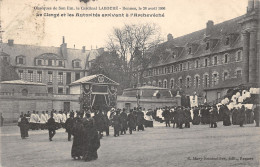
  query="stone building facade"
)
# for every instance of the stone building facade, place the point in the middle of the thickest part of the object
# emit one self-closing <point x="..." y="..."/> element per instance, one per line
<point x="213" y="59"/>
<point x="56" y="67"/>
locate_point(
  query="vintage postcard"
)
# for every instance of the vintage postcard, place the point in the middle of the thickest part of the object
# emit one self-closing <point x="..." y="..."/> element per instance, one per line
<point x="129" y="83"/>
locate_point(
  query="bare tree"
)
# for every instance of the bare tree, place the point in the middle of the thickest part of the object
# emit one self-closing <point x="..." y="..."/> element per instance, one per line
<point x="135" y="44"/>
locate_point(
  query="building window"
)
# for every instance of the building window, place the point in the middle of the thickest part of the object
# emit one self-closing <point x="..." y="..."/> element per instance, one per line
<point x="60" y="90"/>
<point x="20" y="60"/>
<point x="225" y="76"/>
<point x="197" y="81"/>
<point x="215" y="79"/>
<point x="180" y="82"/>
<point x="239" y="73"/>
<point x="165" y="83"/>
<point x="172" y="69"/>
<point x="39" y="76"/>
<point x="227" y="41"/>
<point x="172" y="83"/>
<point x="239" y="56"/>
<point x="206" y="62"/>
<point x="159" y="83"/>
<point x="77" y="64"/>
<point x="206" y="81"/>
<point x="50" y="89"/>
<point x="30" y="75"/>
<point x="215" y="62"/>
<point x="165" y="70"/>
<point x="188" y="83"/>
<point x="49" y="62"/>
<point x="188" y="65"/>
<point x="60" y="63"/>
<point x="197" y="63"/>
<point x="207" y="46"/>
<point x="77" y="76"/>
<point x="50" y="76"/>
<point x="60" y="77"/>
<point x="226" y="58"/>
<point x="39" y="62"/>
<point x="181" y="67"/>
<point x="21" y="76"/>
<point x="189" y="51"/>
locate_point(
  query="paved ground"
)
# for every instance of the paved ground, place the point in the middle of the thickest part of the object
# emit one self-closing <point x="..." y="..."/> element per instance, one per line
<point x="198" y="146"/>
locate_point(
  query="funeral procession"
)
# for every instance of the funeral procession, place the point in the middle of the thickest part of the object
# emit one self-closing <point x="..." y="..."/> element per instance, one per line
<point x="178" y="90"/>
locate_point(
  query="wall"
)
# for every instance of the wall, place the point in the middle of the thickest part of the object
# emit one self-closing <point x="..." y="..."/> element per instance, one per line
<point x="11" y="105"/>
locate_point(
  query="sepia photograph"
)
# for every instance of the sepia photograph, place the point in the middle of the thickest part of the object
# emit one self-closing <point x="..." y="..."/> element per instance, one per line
<point x="130" y="83"/>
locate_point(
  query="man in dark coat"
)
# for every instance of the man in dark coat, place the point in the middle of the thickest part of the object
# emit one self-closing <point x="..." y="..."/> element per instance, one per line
<point x="123" y="120"/>
<point x="116" y="123"/>
<point x="181" y="117"/>
<point x="69" y="126"/>
<point x="167" y="116"/>
<point x="140" y="120"/>
<point x="23" y="123"/>
<point x="91" y="139"/>
<point x="100" y="122"/>
<point x="226" y="117"/>
<point x="77" y="132"/>
<point x="256" y="115"/>
<point x="213" y="117"/>
<point x="107" y="123"/>
<point x="187" y="115"/>
<point x="131" y="121"/>
<point x="196" y="117"/>
<point x="241" y="116"/>
<point x="51" y="127"/>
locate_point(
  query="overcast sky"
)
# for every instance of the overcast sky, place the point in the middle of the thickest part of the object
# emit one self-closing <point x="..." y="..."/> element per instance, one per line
<point x="181" y="17"/>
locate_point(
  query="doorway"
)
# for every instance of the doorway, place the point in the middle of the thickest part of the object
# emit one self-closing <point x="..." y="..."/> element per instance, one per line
<point x="66" y="106"/>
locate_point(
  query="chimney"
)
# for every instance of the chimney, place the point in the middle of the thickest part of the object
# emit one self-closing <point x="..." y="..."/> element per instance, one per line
<point x="63" y="48"/>
<point x="10" y="42"/>
<point x="250" y="6"/>
<point x="83" y="49"/>
<point x="210" y="25"/>
<point x="169" y="37"/>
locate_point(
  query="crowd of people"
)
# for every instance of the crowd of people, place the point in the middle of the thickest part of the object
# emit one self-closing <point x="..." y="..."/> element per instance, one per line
<point x="206" y="114"/>
<point x="86" y="127"/>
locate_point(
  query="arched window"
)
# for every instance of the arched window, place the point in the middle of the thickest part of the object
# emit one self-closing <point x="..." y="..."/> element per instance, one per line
<point x="154" y="83"/>
<point x="197" y="81"/>
<point x="225" y="75"/>
<point x="159" y="83"/>
<point x="226" y="58"/>
<point x="172" y="83"/>
<point x="188" y="81"/>
<point x="165" y="83"/>
<point x="206" y="80"/>
<point x="239" y="55"/>
<point x="215" y="78"/>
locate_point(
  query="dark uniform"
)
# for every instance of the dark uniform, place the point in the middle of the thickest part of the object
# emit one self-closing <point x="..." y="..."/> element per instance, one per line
<point x="187" y="115"/>
<point x="196" y="117"/>
<point x="77" y="132"/>
<point x="51" y="127"/>
<point x="167" y="116"/>
<point x="100" y="123"/>
<point x="213" y="117"/>
<point x="241" y="116"/>
<point x="24" y="126"/>
<point x="91" y="139"/>
<point x="131" y="122"/>
<point x="69" y="126"/>
<point x="123" y="120"/>
<point x="180" y="117"/>
<point x="116" y="124"/>
<point x="140" y="120"/>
